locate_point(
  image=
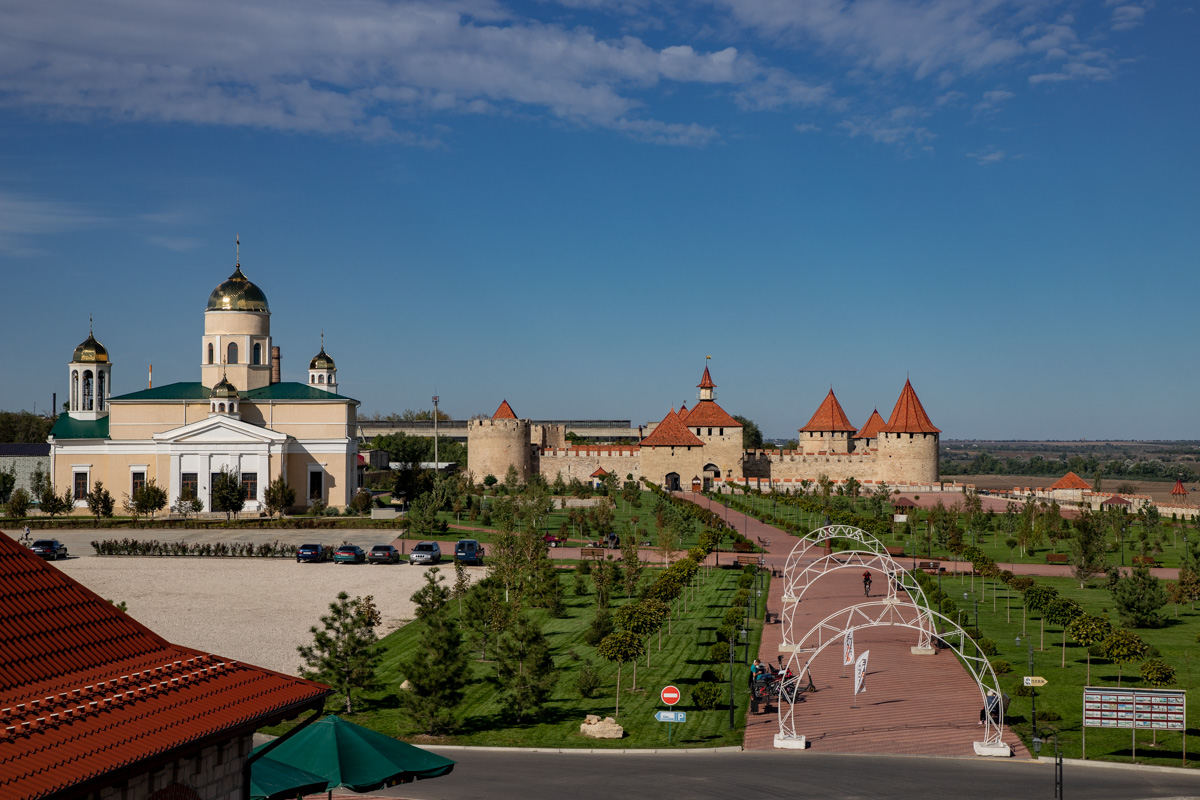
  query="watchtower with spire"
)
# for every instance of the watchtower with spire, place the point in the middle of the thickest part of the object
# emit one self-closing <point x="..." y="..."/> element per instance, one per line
<point x="908" y="443"/>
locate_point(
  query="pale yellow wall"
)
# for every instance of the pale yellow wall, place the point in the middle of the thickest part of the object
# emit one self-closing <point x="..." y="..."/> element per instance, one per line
<point x="303" y="420"/>
<point x="143" y="420"/>
<point x="247" y="323"/>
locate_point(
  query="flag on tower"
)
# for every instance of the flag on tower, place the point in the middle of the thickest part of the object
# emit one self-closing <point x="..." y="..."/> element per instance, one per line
<point x="860" y="673"/>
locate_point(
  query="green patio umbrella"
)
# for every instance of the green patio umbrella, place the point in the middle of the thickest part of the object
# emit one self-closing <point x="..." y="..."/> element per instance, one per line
<point x="274" y="780"/>
<point x="357" y="758"/>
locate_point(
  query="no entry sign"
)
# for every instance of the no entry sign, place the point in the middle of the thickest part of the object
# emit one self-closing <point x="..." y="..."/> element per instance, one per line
<point x="670" y="695"/>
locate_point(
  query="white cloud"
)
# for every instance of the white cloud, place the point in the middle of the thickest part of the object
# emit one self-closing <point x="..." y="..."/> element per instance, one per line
<point x="23" y="217"/>
<point x="992" y="100"/>
<point x="900" y="127"/>
<point x="1127" y="16"/>
<point x="807" y="127"/>
<point x="367" y="68"/>
<point x="988" y="155"/>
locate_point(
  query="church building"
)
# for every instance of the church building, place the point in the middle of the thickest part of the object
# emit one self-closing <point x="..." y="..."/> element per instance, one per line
<point x="239" y="416"/>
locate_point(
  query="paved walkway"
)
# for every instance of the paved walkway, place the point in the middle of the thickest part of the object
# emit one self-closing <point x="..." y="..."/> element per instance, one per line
<point x="913" y="705"/>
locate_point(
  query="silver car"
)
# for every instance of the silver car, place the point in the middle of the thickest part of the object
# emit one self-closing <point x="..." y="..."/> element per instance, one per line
<point x="425" y="553"/>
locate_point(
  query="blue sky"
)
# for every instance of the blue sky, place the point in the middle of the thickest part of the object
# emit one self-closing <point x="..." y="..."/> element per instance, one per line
<point x="569" y="204"/>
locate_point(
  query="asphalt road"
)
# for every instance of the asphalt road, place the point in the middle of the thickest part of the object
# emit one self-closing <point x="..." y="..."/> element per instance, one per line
<point x="604" y="776"/>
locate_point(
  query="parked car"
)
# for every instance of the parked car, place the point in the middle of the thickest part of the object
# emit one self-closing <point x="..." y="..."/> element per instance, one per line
<point x="349" y="554"/>
<point x="312" y="552"/>
<point x="383" y="554"/>
<point x="425" y="553"/>
<point x="468" y="551"/>
<point x="554" y="540"/>
<point x="51" y="549"/>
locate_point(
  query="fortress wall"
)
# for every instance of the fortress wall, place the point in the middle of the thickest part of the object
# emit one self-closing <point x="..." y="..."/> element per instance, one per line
<point x="581" y="462"/>
<point x="794" y="466"/>
<point x="688" y="462"/>
<point x="548" y="436"/>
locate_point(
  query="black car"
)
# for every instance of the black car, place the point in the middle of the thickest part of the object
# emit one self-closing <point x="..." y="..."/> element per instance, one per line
<point x="311" y="552"/>
<point x="52" y="549"/>
<point x="383" y="554"/>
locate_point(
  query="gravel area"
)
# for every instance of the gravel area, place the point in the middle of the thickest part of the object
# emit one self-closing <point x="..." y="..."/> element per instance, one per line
<point x="256" y="610"/>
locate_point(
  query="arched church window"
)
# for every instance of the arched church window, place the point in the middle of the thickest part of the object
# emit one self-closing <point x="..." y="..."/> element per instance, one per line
<point x="87" y="390"/>
<point x="100" y="394"/>
<point x="75" y="390"/>
<point x="231" y="353"/>
<point x="312" y="378"/>
<point x="221" y="407"/>
<point x="320" y="379"/>
<point x="257" y="354"/>
<point x="210" y="353"/>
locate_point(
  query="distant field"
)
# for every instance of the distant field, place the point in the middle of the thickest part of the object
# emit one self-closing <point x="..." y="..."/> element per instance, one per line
<point x="1160" y="491"/>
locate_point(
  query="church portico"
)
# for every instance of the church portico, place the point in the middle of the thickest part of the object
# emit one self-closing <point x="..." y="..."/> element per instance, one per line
<point x="200" y="451"/>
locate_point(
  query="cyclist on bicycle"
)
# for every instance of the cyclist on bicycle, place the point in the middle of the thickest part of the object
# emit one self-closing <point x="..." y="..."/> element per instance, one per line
<point x="867" y="583"/>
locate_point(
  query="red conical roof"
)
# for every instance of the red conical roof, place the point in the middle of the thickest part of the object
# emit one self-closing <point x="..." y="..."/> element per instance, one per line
<point x="1070" y="481"/>
<point x="1179" y="490"/>
<point x="671" y="432"/>
<point x="706" y="382"/>
<point x="909" y="415"/>
<point x="683" y="412"/>
<point x="871" y="430"/>
<point x="829" y="417"/>
<point x="504" y="412"/>
<point x="599" y="473"/>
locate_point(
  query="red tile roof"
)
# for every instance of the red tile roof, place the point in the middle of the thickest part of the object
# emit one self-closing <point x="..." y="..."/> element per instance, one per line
<point x="909" y="415"/>
<point x="1070" y="481"/>
<point x="86" y="692"/>
<point x="706" y="381"/>
<point x="671" y="432"/>
<point x="1116" y="500"/>
<point x="683" y="411"/>
<point x="829" y="417"/>
<point x="1179" y="490"/>
<point x="707" y="414"/>
<point x="871" y="430"/>
<point x="599" y="473"/>
<point x="504" y="411"/>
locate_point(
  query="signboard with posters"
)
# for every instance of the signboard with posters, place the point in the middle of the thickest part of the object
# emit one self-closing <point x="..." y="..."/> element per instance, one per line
<point x="1144" y="709"/>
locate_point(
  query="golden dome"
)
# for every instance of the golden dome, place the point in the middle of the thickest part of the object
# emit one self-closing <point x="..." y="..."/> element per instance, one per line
<point x="237" y="294"/>
<point x="321" y="361"/>
<point x="90" y="352"/>
<point x="224" y="389"/>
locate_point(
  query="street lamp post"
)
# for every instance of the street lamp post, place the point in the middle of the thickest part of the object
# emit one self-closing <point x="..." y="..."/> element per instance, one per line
<point x="730" y="683"/>
<point x="436" y="468"/>
<point x="976" y="600"/>
<point x="1037" y="743"/>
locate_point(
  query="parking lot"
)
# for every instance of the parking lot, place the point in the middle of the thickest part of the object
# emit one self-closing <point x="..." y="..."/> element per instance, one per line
<point x="252" y="609"/>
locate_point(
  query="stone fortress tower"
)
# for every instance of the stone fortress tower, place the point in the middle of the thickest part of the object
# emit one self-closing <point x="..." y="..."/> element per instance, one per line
<point x="704" y="445"/>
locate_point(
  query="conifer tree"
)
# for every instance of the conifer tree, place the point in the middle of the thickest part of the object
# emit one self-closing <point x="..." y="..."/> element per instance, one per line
<point x="524" y="670"/>
<point x="344" y="652"/>
<point x="437" y="674"/>
<point x="1139" y="597"/>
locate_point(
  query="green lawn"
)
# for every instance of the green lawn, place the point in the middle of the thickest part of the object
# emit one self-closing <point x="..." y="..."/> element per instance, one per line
<point x="684" y="656"/>
<point x="991" y="542"/>
<point x="1064" y="693"/>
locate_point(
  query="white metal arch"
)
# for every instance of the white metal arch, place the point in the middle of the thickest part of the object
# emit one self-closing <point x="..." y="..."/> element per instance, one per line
<point x="896" y="577"/>
<point x="891" y="613"/>
<point x="810" y="539"/>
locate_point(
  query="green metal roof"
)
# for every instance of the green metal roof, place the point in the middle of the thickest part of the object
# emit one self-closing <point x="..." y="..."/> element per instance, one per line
<point x="291" y="391"/>
<point x="198" y="391"/>
<point x="184" y="390"/>
<point x="67" y="428"/>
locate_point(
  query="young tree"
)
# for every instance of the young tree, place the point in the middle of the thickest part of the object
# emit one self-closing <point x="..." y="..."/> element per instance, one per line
<point x="227" y="492"/>
<point x="1139" y="597"/>
<point x="462" y="583"/>
<point x="512" y="479"/>
<point x="279" y="497"/>
<point x="8" y="482"/>
<point x="361" y="502"/>
<point x="1062" y="612"/>
<point x="150" y="498"/>
<point x="18" y="504"/>
<point x="344" y="652"/>
<point x="524" y="670"/>
<point x="1087" y="548"/>
<point x="437" y="673"/>
<point x="487" y="613"/>
<point x="186" y="504"/>
<point x="1121" y="647"/>
<point x="629" y="557"/>
<point x="619" y="648"/>
<point x="642" y="619"/>
<point x="1037" y="598"/>
<point x="1087" y="630"/>
<point x="99" y="501"/>
<point x="433" y="596"/>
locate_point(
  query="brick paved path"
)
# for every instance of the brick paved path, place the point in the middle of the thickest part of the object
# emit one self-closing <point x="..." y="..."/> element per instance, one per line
<point x="918" y="705"/>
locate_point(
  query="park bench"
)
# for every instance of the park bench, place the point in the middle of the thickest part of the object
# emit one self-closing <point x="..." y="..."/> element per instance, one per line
<point x="1147" y="561"/>
<point x="1057" y="558"/>
<point x="592" y="552"/>
<point x="746" y="560"/>
<point x="931" y="567"/>
<point x="763" y="543"/>
<point x="771" y="617"/>
<point x="895" y="551"/>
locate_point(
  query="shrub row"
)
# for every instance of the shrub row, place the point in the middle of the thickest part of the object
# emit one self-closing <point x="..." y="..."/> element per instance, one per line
<point x="153" y="547"/>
